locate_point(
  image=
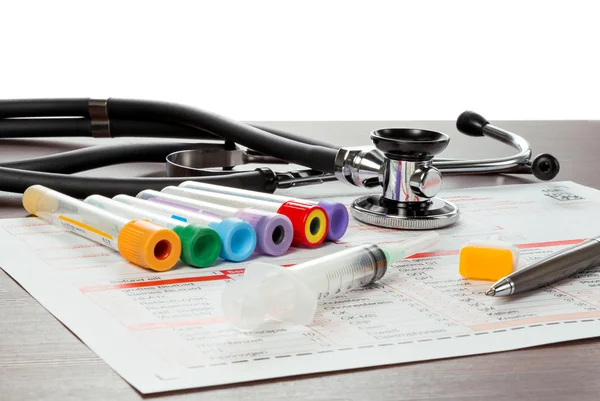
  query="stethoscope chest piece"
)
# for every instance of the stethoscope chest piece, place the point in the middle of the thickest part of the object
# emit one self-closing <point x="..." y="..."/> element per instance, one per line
<point x="410" y="182"/>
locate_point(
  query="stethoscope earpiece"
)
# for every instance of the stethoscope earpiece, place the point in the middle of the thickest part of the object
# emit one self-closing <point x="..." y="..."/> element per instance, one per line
<point x="545" y="167"/>
<point x="471" y="123"/>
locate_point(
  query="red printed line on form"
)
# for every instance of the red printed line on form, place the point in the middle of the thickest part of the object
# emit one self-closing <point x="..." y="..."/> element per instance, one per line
<point x="233" y="271"/>
<point x="95" y="255"/>
<point x="154" y="283"/>
<point x="550" y="243"/>
<point x="72" y="247"/>
<point x="29" y="225"/>
<point x="41" y="233"/>
<point x="431" y="254"/>
<point x="533" y="320"/>
<point x="520" y="246"/>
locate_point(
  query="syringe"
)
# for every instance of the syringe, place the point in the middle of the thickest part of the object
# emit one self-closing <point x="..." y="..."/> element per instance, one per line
<point x="141" y="242"/>
<point x="291" y="294"/>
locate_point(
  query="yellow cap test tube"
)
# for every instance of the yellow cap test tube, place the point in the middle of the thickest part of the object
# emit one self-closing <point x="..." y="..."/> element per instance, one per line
<point x="141" y="242"/>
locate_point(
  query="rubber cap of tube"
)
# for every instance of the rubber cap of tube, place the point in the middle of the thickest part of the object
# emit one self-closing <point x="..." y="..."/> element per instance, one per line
<point x="337" y="215"/>
<point x="34" y="195"/>
<point x="238" y="238"/>
<point x="200" y="245"/>
<point x="310" y="222"/>
<point x="149" y="245"/>
<point x="274" y="231"/>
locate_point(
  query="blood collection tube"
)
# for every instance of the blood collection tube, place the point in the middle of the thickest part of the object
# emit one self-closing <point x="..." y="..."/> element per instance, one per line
<point x="310" y="222"/>
<point x="237" y="237"/>
<point x="140" y="242"/>
<point x="274" y="232"/>
<point x="200" y="245"/>
<point x="337" y="213"/>
<point x="291" y="294"/>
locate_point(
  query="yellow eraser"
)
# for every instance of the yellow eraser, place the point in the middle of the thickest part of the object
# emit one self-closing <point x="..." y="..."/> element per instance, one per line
<point x="487" y="260"/>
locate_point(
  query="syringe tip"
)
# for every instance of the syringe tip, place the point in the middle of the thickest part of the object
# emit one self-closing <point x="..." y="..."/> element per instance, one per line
<point x="397" y="252"/>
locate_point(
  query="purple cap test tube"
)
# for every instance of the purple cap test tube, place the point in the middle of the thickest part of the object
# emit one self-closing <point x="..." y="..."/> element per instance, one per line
<point x="338" y="219"/>
<point x="276" y="230"/>
<point x="337" y="213"/>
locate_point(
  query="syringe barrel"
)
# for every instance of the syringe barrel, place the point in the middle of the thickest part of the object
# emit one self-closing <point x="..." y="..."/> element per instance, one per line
<point x="74" y="215"/>
<point x="343" y="271"/>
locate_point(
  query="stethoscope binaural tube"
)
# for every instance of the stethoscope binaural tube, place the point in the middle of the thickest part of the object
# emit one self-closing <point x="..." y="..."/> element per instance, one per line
<point x="544" y="166"/>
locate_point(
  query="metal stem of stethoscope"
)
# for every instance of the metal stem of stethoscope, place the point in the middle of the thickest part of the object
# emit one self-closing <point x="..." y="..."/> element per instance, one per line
<point x="490" y="165"/>
<point x="409" y="179"/>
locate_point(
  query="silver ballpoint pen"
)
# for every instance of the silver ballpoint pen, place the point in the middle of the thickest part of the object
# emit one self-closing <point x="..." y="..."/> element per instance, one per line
<point x="552" y="269"/>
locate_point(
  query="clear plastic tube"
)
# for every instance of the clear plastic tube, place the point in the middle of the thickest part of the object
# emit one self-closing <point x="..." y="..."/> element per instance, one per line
<point x="237" y="237"/>
<point x="310" y="222"/>
<point x="141" y="242"/>
<point x="274" y="231"/>
<point x="200" y="245"/>
<point x="336" y="212"/>
<point x="291" y="294"/>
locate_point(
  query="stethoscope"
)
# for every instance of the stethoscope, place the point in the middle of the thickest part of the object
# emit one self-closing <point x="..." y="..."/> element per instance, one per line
<point x="402" y="160"/>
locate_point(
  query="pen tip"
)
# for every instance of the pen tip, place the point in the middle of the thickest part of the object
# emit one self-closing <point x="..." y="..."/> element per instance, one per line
<point x="491" y="292"/>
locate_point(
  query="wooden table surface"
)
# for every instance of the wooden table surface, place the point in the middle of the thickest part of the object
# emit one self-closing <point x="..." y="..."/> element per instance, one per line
<point x="40" y="359"/>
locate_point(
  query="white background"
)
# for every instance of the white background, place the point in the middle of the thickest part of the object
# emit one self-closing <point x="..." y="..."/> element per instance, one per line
<point x="312" y="60"/>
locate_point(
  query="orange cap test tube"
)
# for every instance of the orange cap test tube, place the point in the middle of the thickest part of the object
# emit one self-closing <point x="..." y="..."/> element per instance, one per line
<point x="141" y="242"/>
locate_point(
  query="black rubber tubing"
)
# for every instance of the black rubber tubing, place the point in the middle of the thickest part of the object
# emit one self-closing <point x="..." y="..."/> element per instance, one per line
<point x="75" y="127"/>
<point x="92" y="157"/>
<point x="44" y="127"/>
<point x="15" y="180"/>
<point x="105" y="155"/>
<point x="316" y="157"/>
<point x="44" y="108"/>
<point x="79" y="108"/>
<point x="295" y="137"/>
<point x="320" y="158"/>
